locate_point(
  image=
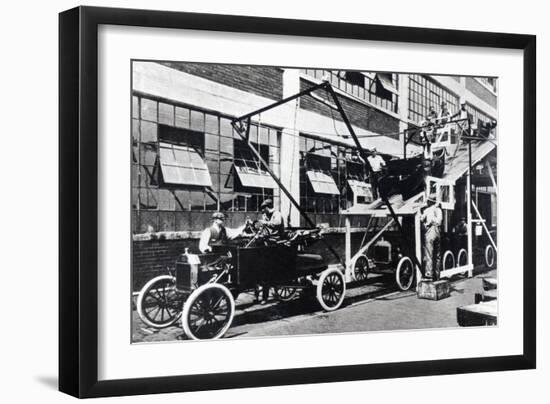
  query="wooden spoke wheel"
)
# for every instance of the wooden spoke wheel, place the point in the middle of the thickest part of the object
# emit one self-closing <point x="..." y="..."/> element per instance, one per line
<point x="361" y="268"/>
<point x="331" y="289"/>
<point x="158" y="305"/>
<point x="404" y="274"/>
<point x="448" y="260"/>
<point x="462" y="258"/>
<point x="284" y="293"/>
<point x="208" y="312"/>
<point x="490" y="256"/>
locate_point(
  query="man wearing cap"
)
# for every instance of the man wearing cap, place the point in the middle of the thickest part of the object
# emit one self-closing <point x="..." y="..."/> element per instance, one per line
<point x="377" y="164"/>
<point x="217" y="233"/>
<point x="431" y="218"/>
<point x="272" y="219"/>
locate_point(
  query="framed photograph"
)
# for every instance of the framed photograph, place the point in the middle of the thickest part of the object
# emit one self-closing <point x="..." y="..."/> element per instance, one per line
<point x="251" y="202"/>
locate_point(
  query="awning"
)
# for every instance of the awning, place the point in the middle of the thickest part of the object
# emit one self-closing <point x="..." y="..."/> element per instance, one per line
<point x="361" y="188"/>
<point x="322" y="183"/>
<point x="252" y="177"/>
<point x="386" y="83"/>
<point x="183" y="165"/>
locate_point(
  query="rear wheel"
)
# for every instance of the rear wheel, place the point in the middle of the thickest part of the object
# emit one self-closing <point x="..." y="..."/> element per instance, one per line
<point x="462" y="258"/>
<point x="404" y="274"/>
<point x="284" y="293"/>
<point x="490" y="256"/>
<point x="448" y="260"/>
<point x="157" y="303"/>
<point x="361" y="268"/>
<point x="331" y="289"/>
<point x="208" y="312"/>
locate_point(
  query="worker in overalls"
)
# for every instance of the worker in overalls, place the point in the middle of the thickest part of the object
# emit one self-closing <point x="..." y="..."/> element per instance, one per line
<point x="431" y="218"/>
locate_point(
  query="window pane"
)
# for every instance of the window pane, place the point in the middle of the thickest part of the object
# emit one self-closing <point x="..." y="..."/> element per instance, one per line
<point x="166" y="114"/>
<point x="211" y="143"/>
<point x="196" y="199"/>
<point x="182" y="118"/>
<point x="165" y="200"/>
<point x="211" y="124"/>
<point x="148" y="109"/>
<point x="148" y="131"/>
<point x="225" y="128"/>
<point x="135" y="130"/>
<point x="135" y="107"/>
<point x="197" y="121"/>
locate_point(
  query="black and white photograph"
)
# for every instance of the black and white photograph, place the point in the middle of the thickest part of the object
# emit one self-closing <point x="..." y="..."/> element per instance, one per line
<point x="273" y="201"/>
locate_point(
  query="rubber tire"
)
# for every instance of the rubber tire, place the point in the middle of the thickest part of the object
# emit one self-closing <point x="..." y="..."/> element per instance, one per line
<point x="319" y="288"/>
<point x="488" y="248"/>
<point x="362" y="256"/>
<point x="141" y="296"/>
<point x="287" y="298"/>
<point x="462" y="251"/>
<point x="189" y="302"/>
<point x="398" y="270"/>
<point x="448" y="252"/>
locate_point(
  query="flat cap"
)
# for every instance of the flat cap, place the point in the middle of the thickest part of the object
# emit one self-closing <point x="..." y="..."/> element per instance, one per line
<point x="218" y="215"/>
<point x="266" y="203"/>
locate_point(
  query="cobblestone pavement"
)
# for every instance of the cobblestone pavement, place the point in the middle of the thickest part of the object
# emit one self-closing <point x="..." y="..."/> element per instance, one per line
<point x="373" y="305"/>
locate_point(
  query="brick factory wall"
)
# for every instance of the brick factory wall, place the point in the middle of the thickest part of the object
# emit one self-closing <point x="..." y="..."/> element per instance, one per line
<point x="259" y="80"/>
<point x="359" y="114"/>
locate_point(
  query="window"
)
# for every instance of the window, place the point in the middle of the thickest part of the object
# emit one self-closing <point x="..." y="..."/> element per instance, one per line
<point x="442" y="190"/>
<point x="248" y="167"/>
<point x="322" y="183"/>
<point x="357" y="182"/>
<point x="183" y="165"/>
<point x="477" y="116"/>
<point x="377" y="88"/>
<point x="491" y="82"/>
<point x="425" y="93"/>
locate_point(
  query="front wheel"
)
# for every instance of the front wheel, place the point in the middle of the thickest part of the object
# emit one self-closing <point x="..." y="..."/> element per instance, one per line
<point x="208" y="312"/>
<point x="404" y="274"/>
<point x="331" y="289"/>
<point x="157" y="303"/>
<point x="361" y="268"/>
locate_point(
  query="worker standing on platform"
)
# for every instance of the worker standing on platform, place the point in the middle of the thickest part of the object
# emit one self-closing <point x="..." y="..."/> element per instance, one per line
<point x="443" y="120"/>
<point x="431" y="218"/>
<point x="377" y="165"/>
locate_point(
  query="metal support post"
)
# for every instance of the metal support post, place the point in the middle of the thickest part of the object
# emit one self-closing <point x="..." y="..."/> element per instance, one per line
<point x="348" y="269"/>
<point x="418" y="245"/>
<point x="469" y="209"/>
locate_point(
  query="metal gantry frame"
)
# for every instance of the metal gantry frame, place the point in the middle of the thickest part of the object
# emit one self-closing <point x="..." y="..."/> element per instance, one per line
<point x="242" y="126"/>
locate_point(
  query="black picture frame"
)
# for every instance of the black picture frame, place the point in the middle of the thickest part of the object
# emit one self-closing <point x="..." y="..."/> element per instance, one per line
<point x="78" y="207"/>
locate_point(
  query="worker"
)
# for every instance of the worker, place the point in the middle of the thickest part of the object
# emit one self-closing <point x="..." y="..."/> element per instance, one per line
<point x="461" y="234"/>
<point x="431" y="218"/>
<point x="272" y="219"/>
<point x="463" y="117"/>
<point x="377" y="164"/>
<point x="426" y="138"/>
<point x="273" y="226"/>
<point x="217" y="233"/>
<point x="432" y="115"/>
<point x="443" y="121"/>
